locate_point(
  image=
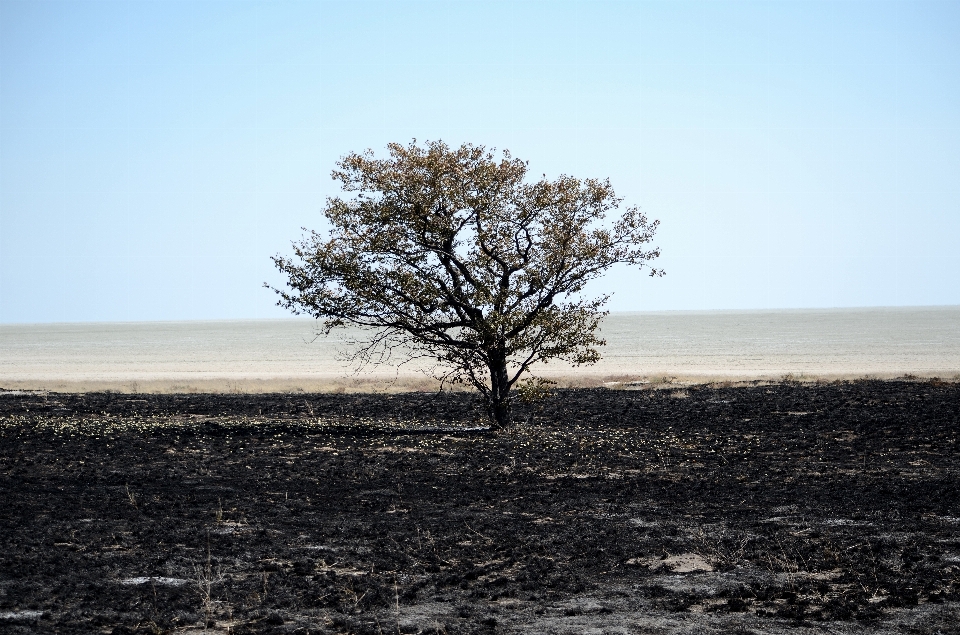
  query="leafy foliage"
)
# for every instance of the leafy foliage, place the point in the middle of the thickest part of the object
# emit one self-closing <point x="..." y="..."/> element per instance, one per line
<point x="450" y="255"/>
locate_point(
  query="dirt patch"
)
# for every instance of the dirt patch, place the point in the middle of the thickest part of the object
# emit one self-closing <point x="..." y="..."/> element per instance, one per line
<point x="785" y="508"/>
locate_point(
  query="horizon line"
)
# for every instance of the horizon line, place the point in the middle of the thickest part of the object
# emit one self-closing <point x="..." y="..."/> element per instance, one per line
<point x="633" y="312"/>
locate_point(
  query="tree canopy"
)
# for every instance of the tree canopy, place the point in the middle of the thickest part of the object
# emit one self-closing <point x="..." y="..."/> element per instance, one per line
<point x="450" y="254"/>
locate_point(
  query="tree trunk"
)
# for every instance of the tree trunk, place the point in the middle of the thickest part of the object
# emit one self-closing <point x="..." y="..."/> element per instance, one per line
<point x="499" y="401"/>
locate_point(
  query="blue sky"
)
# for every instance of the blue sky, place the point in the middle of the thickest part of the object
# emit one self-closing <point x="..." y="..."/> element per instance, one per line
<point x="153" y="155"/>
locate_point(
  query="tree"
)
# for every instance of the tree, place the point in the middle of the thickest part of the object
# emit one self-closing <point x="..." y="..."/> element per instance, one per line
<point x="450" y="255"/>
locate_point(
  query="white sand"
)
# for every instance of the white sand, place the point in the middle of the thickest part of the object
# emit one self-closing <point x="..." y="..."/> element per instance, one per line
<point x="267" y="355"/>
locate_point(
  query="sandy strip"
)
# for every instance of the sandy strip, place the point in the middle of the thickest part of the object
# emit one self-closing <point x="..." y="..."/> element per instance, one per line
<point x="643" y="349"/>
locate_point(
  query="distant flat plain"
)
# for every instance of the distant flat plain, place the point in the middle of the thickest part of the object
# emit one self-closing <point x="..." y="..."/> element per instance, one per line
<point x="287" y="354"/>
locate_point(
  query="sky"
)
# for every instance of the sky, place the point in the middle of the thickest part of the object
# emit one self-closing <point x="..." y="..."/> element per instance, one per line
<point x="154" y="155"/>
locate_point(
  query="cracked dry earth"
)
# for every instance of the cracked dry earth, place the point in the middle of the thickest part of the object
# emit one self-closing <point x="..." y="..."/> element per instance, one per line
<point x="789" y="508"/>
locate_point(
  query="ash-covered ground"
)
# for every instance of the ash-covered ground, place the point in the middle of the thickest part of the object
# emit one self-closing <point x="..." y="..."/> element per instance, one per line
<point x="761" y="509"/>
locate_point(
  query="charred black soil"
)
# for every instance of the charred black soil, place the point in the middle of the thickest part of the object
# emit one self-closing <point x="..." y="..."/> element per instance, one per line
<point x="770" y="508"/>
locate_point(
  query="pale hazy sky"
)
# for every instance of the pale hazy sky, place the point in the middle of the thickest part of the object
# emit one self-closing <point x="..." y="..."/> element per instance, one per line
<point x="153" y="155"/>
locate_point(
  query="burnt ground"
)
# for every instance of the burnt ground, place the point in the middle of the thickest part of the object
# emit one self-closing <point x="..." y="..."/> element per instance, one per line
<point x="769" y="508"/>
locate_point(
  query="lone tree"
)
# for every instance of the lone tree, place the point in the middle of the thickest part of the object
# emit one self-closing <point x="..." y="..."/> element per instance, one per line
<point x="450" y="255"/>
